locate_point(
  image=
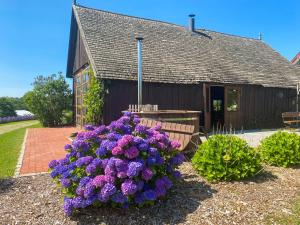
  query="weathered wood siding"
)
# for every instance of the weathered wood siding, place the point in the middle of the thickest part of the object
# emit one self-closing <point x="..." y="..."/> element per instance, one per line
<point x="260" y="107"/>
<point x="166" y="96"/>
<point x="78" y="57"/>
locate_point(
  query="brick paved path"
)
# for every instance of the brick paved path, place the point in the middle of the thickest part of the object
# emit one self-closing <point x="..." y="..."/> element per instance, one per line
<point x="42" y="146"/>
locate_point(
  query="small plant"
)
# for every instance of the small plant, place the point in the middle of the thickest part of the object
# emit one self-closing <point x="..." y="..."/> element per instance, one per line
<point x="281" y="149"/>
<point x="226" y="157"/>
<point x="119" y="165"/>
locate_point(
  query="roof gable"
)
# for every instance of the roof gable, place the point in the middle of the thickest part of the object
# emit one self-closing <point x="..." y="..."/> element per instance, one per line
<point x="172" y="54"/>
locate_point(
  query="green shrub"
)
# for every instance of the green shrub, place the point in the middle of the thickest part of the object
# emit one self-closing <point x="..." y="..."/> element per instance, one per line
<point x="94" y="101"/>
<point x="226" y="157"/>
<point x="67" y="117"/>
<point x="281" y="149"/>
<point x="50" y="96"/>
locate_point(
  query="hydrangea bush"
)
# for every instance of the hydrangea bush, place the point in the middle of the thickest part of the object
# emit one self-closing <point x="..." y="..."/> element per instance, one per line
<point x="120" y="165"/>
<point x="16" y="118"/>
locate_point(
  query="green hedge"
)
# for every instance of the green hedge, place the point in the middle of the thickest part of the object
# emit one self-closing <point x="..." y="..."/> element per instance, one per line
<point x="226" y="157"/>
<point x="281" y="149"/>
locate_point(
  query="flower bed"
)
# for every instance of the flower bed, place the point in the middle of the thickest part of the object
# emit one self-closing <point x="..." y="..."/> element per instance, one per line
<point x="119" y="165"/>
<point x="15" y="118"/>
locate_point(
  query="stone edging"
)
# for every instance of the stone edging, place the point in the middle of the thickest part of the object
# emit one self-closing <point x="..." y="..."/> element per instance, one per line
<point x="32" y="174"/>
<point x="21" y="156"/>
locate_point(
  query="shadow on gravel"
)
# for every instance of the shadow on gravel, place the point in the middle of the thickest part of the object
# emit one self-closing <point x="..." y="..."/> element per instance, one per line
<point x="261" y="177"/>
<point x="6" y="184"/>
<point x="183" y="199"/>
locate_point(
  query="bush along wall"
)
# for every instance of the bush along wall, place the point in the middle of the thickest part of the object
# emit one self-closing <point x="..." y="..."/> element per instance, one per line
<point x="281" y="149"/>
<point x="94" y="100"/>
<point x="226" y="157"/>
<point x="119" y="165"/>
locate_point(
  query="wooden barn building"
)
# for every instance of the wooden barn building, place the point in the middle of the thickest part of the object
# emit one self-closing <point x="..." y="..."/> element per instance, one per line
<point x="236" y="81"/>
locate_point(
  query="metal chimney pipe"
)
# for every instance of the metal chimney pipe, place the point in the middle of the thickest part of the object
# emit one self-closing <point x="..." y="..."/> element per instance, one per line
<point x="192" y="23"/>
<point x="140" y="72"/>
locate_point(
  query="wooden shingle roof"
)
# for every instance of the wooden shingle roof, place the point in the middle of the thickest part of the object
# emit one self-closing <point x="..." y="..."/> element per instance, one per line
<point x="173" y="54"/>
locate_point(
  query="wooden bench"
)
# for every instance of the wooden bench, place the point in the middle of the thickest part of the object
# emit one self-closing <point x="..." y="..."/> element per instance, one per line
<point x="291" y="118"/>
<point x="183" y="133"/>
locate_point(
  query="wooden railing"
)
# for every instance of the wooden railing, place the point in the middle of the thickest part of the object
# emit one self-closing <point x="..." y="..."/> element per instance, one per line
<point x="139" y="108"/>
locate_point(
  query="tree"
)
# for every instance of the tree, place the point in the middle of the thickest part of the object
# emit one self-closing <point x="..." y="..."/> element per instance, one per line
<point x="50" y="96"/>
<point x="6" y="107"/>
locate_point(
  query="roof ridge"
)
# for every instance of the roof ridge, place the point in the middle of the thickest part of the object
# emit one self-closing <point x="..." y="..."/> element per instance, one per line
<point x="164" y="22"/>
<point x="136" y="17"/>
<point x="234" y="35"/>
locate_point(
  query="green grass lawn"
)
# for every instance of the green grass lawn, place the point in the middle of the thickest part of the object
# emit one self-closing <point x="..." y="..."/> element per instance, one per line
<point x="16" y="122"/>
<point x="10" y="146"/>
<point x="288" y="219"/>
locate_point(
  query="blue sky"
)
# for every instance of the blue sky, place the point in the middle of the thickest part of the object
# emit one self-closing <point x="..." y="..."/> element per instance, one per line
<point x="34" y="33"/>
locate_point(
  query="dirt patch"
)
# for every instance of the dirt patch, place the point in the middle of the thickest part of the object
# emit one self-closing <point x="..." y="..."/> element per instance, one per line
<point x="37" y="200"/>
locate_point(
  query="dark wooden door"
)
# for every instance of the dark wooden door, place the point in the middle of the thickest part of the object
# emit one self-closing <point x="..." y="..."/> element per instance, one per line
<point x="233" y="107"/>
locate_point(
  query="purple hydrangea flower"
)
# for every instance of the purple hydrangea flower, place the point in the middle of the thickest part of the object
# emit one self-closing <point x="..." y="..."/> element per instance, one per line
<point x="90" y="169"/>
<point x="176" y="174"/>
<point x="79" y="144"/>
<point x="175" y="145"/>
<point x="53" y="164"/>
<point x="89" y="127"/>
<point x="139" y="198"/>
<point x="78" y="202"/>
<point x="111" y="145"/>
<point x="151" y="160"/>
<point x="101" y="151"/>
<point x="110" y="179"/>
<point x="100" y="130"/>
<point x="160" y="191"/>
<point x="84" y="161"/>
<point x="143" y="146"/>
<point x="127" y="113"/>
<point x="177" y="159"/>
<point x="97" y="162"/>
<point x="108" y="190"/>
<point x="119" y="198"/>
<point x="147" y="174"/>
<point x="65" y="182"/>
<point x="84" y="181"/>
<point x="121" y="175"/>
<point x="68" y="147"/>
<point x="133" y="169"/>
<point x="141" y="129"/>
<point x="99" y="181"/>
<point x="149" y="195"/>
<point x="136" y="120"/>
<point x="109" y="170"/>
<point x="89" y="190"/>
<point x="68" y="206"/>
<point x="128" y="187"/>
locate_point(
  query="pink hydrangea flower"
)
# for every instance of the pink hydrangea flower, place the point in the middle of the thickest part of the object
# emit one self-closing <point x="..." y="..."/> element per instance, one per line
<point x="117" y="150"/>
<point x="131" y="152"/>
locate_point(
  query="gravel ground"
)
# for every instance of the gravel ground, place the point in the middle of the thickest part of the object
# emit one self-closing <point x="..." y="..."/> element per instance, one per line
<point x="254" y="138"/>
<point x="37" y="200"/>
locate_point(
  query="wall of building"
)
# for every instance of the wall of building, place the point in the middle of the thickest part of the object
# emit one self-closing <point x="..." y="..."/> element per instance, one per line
<point x="260" y="107"/>
<point x="167" y="96"/>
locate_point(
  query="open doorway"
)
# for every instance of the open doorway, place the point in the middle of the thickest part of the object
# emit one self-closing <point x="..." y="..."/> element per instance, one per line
<point x="217" y="106"/>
